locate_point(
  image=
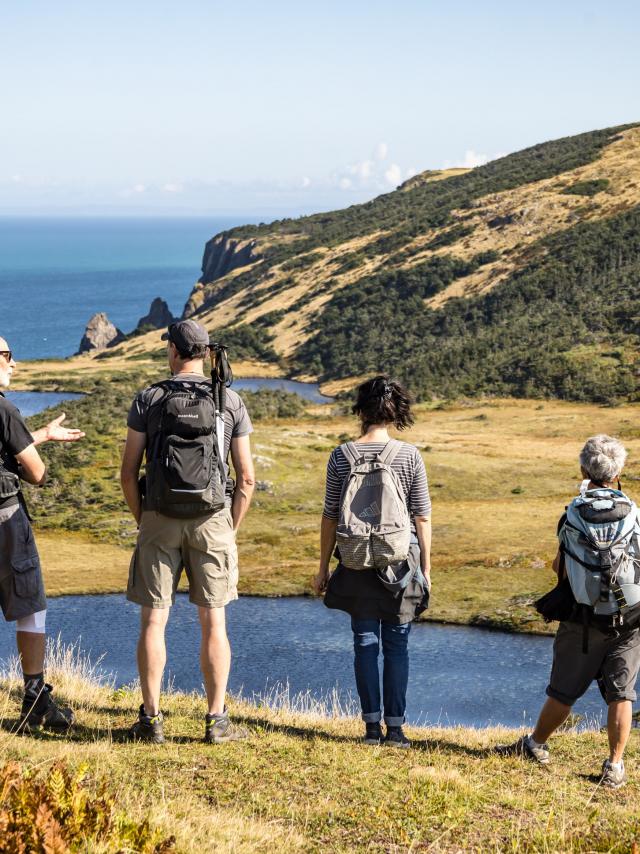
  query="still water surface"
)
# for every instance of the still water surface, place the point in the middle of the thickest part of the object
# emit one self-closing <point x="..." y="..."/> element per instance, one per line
<point x="32" y="402"/>
<point x="309" y="391"/>
<point x="459" y="675"/>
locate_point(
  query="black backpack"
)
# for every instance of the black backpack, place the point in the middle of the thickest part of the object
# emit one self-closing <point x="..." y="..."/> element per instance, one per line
<point x="185" y="470"/>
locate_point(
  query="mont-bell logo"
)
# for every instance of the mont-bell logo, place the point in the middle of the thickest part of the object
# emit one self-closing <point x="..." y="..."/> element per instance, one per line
<point x="186" y="415"/>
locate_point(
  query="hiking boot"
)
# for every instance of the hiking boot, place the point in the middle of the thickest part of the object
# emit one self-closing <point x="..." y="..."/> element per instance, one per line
<point x="396" y="738"/>
<point x="147" y="728"/>
<point x="40" y="711"/>
<point x="524" y="747"/>
<point x="613" y="777"/>
<point x="218" y="729"/>
<point x="373" y="734"/>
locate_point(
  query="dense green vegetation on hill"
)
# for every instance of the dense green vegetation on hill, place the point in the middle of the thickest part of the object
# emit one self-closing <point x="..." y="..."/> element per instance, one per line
<point x="565" y="325"/>
<point x="405" y="213"/>
<point x="410" y="212"/>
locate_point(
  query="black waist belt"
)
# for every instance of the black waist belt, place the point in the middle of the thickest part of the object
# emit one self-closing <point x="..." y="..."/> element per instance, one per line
<point x="9" y="502"/>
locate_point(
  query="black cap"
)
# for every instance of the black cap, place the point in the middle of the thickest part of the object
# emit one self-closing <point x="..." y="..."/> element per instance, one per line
<point x="187" y="335"/>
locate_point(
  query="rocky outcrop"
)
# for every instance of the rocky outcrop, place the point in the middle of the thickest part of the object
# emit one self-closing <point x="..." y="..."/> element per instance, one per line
<point x="159" y="316"/>
<point x="99" y="334"/>
<point x="223" y="254"/>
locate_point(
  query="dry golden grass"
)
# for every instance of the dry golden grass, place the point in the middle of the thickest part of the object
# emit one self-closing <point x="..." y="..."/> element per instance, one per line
<point x="50" y="375"/>
<point x="538" y="210"/>
<point x="303" y="782"/>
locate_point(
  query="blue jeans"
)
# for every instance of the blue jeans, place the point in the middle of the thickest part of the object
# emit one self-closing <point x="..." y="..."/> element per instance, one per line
<point x="395" y="671"/>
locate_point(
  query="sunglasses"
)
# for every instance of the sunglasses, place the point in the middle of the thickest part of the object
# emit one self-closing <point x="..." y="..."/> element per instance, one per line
<point x="7" y="354"/>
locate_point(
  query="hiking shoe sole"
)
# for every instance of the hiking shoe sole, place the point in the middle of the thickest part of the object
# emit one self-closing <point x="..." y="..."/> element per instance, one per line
<point x="522" y="749"/>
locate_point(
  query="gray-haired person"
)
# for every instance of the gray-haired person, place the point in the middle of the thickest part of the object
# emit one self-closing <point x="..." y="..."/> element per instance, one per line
<point x="597" y="600"/>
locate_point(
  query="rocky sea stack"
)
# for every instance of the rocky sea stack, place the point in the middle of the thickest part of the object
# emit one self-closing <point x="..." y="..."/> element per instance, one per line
<point x="99" y="334"/>
<point x="159" y="316"/>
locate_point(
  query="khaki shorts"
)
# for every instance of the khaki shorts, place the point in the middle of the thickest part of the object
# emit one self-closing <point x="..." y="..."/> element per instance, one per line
<point x="205" y="547"/>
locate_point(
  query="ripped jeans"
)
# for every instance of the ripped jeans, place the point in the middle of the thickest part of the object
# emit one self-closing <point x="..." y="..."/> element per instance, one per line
<point x="367" y="635"/>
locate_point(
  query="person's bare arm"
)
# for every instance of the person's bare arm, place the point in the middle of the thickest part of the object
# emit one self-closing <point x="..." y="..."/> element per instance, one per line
<point x="55" y="432"/>
<point x="130" y="469"/>
<point x="423" y="532"/>
<point x="245" y="478"/>
<point x="32" y="467"/>
<point x="327" y="544"/>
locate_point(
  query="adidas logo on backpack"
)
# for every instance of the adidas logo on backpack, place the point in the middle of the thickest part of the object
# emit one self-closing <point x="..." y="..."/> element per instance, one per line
<point x="374" y="527"/>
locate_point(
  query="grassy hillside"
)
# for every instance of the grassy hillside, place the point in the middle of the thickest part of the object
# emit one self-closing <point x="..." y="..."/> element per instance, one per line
<point x="302" y="782"/>
<point x="518" y="277"/>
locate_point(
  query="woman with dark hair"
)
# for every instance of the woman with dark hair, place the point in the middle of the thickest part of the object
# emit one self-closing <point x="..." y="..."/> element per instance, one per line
<point x="382" y="602"/>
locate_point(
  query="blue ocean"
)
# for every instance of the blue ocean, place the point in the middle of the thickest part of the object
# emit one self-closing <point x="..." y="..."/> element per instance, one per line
<point x="56" y="272"/>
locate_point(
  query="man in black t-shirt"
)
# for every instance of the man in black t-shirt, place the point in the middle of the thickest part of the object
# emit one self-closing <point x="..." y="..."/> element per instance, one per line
<point x="204" y="546"/>
<point x="22" y="594"/>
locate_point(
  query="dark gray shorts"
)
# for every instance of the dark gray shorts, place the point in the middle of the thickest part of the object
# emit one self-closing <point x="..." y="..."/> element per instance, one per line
<point x="21" y="584"/>
<point x="613" y="661"/>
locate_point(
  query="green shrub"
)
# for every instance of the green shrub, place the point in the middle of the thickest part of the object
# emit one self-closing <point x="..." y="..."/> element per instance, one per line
<point x="587" y="188"/>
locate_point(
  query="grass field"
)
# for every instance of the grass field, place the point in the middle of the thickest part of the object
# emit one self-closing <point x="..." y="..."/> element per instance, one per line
<point x="500" y="474"/>
<point x="302" y="782"/>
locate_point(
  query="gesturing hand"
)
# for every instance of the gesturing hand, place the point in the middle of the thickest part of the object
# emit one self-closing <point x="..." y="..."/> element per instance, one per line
<point x="57" y="433"/>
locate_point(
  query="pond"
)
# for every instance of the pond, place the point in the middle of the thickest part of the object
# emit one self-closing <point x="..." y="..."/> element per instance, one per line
<point x="459" y="675"/>
<point x="32" y="402"/>
<point x="309" y="391"/>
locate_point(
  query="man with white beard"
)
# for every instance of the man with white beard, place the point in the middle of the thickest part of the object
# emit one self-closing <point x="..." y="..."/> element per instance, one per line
<point x="22" y="594"/>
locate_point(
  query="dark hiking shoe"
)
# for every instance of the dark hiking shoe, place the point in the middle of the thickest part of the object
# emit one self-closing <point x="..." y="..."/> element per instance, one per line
<point x="612" y="777"/>
<point x="218" y="729"/>
<point x="524" y="747"/>
<point x="396" y="738"/>
<point x="147" y="728"/>
<point x="41" y="711"/>
<point x="373" y="734"/>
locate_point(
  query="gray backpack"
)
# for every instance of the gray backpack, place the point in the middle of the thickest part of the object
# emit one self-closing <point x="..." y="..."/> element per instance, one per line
<point x="601" y="547"/>
<point x="374" y="526"/>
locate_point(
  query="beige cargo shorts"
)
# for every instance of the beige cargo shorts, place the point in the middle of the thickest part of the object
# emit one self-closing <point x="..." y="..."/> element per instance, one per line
<point x="205" y="547"/>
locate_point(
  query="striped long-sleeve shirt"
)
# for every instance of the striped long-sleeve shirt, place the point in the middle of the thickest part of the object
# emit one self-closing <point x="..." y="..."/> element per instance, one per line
<point x="408" y="465"/>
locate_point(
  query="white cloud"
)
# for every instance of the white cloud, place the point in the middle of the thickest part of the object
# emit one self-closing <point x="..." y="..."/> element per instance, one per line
<point x="382" y="150"/>
<point x="393" y="175"/>
<point x="139" y="188"/>
<point x="472" y="159"/>
<point x="362" y="170"/>
<point x="345" y="183"/>
<point x="306" y="182"/>
<point x="172" y="188"/>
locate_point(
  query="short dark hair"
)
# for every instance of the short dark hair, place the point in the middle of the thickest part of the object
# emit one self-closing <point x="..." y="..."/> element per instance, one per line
<point x="382" y="400"/>
<point x="195" y="353"/>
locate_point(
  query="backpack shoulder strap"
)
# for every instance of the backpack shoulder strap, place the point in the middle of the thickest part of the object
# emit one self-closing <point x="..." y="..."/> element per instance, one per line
<point x="350" y="453"/>
<point x="390" y="451"/>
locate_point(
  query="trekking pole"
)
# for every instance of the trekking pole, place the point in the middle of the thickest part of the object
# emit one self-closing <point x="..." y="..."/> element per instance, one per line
<point x="221" y="378"/>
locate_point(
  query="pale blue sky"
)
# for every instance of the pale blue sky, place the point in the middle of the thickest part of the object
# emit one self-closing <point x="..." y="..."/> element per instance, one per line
<point x="283" y="107"/>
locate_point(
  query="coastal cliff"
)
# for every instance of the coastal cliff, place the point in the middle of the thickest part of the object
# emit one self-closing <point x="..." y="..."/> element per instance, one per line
<point x="222" y="254"/>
